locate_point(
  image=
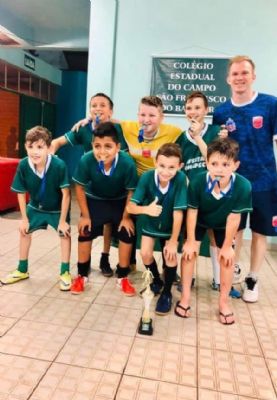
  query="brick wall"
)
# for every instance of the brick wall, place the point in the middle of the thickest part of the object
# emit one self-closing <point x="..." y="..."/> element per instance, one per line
<point x="9" y="123"/>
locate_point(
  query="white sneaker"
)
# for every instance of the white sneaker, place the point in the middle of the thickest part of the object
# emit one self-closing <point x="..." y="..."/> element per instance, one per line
<point x="237" y="275"/>
<point x="251" y="291"/>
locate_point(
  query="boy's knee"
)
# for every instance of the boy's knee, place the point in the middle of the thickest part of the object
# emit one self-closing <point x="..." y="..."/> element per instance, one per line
<point x="125" y="237"/>
<point x="147" y="256"/>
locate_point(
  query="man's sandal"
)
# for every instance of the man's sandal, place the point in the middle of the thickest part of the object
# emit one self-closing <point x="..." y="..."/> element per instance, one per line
<point x="186" y="309"/>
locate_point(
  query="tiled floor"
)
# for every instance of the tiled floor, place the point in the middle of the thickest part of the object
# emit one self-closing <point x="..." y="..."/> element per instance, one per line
<point x="54" y="345"/>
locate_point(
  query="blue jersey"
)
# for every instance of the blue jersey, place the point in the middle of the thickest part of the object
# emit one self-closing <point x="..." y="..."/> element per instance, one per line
<point x="253" y="126"/>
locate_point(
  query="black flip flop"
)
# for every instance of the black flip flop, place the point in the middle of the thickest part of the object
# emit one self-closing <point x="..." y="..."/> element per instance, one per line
<point x="186" y="309"/>
<point x="225" y="316"/>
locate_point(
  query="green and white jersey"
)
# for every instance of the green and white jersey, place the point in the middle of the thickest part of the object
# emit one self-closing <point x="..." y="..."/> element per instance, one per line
<point x="213" y="209"/>
<point x="193" y="160"/>
<point x="84" y="137"/>
<point x="45" y="190"/>
<point x="106" y="187"/>
<point x="174" y="199"/>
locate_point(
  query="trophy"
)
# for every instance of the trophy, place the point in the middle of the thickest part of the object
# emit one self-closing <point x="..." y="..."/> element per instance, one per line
<point x="145" y="325"/>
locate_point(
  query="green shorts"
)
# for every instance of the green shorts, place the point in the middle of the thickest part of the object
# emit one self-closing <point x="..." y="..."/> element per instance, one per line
<point x="41" y="219"/>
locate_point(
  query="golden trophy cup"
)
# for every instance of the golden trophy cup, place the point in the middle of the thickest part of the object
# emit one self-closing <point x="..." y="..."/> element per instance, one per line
<point x="145" y="325"/>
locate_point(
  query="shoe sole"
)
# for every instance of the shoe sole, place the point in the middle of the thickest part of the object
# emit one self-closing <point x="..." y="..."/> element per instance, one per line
<point x="72" y="292"/>
<point x="17" y="280"/>
<point x="162" y="313"/>
<point x="64" y="289"/>
<point x="128" y="294"/>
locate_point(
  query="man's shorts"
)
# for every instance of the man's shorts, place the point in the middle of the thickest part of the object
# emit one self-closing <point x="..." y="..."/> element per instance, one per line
<point x="41" y="219"/>
<point x="219" y="235"/>
<point x="106" y="212"/>
<point x="264" y="209"/>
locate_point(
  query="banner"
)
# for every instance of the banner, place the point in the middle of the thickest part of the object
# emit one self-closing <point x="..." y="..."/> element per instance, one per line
<point x="174" y="78"/>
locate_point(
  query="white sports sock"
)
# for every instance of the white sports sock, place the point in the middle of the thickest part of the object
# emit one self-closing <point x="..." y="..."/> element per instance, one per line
<point x="215" y="264"/>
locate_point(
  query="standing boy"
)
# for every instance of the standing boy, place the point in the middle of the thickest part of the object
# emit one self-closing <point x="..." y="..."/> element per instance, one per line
<point x="194" y="150"/>
<point x="44" y="178"/>
<point x="216" y="200"/>
<point x="161" y="198"/>
<point x="251" y="119"/>
<point x="105" y="179"/>
<point x="101" y="110"/>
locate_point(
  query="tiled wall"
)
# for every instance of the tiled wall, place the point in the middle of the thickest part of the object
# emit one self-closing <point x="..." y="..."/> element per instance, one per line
<point x="9" y="123"/>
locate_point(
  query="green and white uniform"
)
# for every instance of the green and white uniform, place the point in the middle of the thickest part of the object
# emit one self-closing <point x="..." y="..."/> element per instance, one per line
<point x="175" y="198"/>
<point x="193" y="160"/>
<point x="106" y="187"/>
<point x="84" y="137"/>
<point x="214" y="209"/>
<point x="45" y="192"/>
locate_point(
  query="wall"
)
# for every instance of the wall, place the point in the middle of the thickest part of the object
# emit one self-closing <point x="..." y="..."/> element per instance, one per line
<point x="71" y="106"/>
<point x="125" y="34"/>
<point x="9" y="124"/>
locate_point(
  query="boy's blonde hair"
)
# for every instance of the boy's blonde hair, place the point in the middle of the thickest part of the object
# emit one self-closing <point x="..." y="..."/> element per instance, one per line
<point x="238" y="59"/>
<point x="153" y="101"/>
<point x="38" y="133"/>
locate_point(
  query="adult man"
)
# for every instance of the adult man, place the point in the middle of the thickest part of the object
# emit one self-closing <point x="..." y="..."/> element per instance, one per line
<point x="251" y="119"/>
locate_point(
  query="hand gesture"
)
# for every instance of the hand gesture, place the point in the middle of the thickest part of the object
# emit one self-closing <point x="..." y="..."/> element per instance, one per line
<point x="84" y="226"/>
<point x="227" y="255"/>
<point x="190" y="249"/>
<point x="154" y="209"/>
<point x="64" y="229"/>
<point x="223" y="133"/>
<point x="24" y="226"/>
<point x="195" y="128"/>
<point x="128" y="224"/>
<point x="170" y="250"/>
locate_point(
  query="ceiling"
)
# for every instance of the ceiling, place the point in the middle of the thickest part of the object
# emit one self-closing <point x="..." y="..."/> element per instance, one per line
<point x="57" y="31"/>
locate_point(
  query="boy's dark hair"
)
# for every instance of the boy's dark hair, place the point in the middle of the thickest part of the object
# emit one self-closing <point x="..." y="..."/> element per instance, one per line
<point x="153" y="101"/>
<point x="106" y="129"/>
<point x="195" y="95"/>
<point x="170" y="150"/>
<point x="38" y="133"/>
<point x="224" y="146"/>
<point x="105" y="96"/>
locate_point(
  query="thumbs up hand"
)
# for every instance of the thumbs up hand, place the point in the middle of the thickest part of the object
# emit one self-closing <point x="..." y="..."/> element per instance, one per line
<point x="154" y="209"/>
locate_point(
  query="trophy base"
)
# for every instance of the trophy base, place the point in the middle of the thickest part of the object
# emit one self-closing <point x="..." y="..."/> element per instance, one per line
<point x="145" y="328"/>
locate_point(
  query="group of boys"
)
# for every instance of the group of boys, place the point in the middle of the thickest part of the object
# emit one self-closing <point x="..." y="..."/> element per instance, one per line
<point x="112" y="187"/>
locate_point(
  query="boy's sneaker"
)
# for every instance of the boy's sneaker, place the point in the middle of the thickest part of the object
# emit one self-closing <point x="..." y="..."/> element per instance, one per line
<point x="156" y="286"/>
<point x="105" y="267"/>
<point x="65" y="281"/>
<point x="14" y="276"/>
<point x="215" y="286"/>
<point x="126" y="287"/>
<point x="237" y="274"/>
<point x="251" y="291"/>
<point x="164" y="303"/>
<point x="78" y="284"/>
<point x="234" y="293"/>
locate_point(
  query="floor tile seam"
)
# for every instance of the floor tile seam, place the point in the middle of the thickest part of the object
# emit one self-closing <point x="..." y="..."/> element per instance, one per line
<point x="271" y="375"/>
<point x="159" y="380"/>
<point x="16" y="320"/>
<point x="22" y="316"/>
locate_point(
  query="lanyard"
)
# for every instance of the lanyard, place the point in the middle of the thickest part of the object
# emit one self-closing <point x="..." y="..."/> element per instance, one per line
<point x="141" y="134"/>
<point x="42" y="188"/>
<point x="212" y="183"/>
<point x="165" y="199"/>
<point x="102" y="169"/>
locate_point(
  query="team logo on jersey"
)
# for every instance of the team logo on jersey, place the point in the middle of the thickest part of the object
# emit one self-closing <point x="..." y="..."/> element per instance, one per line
<point x="230" y="125"/>
<point x="258" y="122"/>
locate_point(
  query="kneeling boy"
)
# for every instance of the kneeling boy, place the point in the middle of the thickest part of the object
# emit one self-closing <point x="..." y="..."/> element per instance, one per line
<point x="105" y="179"/>
<point x="216" y="200"/>
<point x="44" y="178"/>
<point x="161" y="197"/>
